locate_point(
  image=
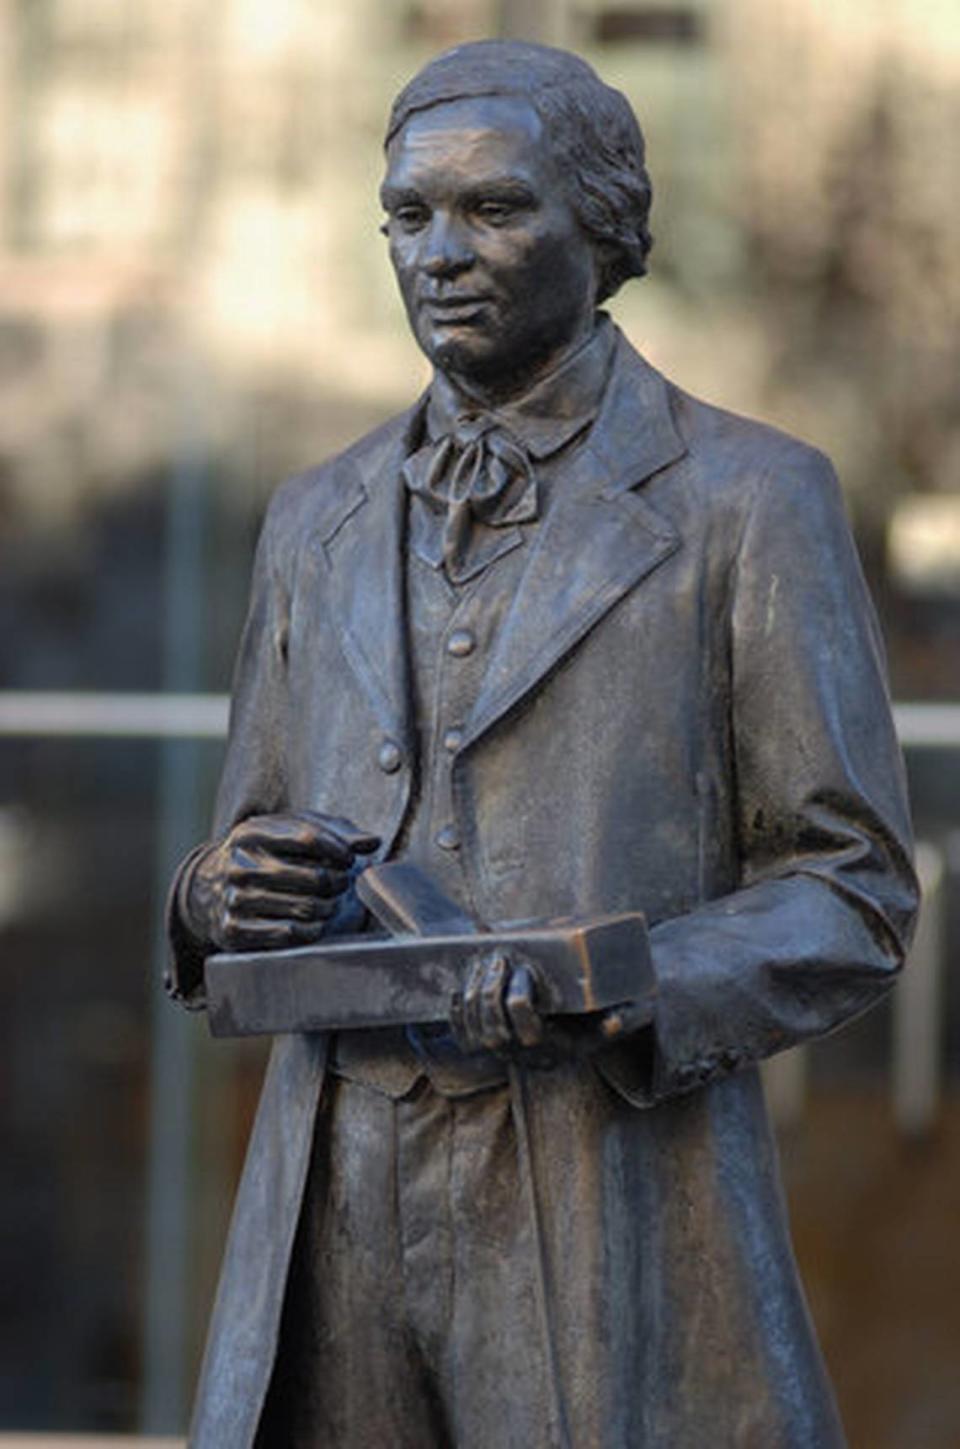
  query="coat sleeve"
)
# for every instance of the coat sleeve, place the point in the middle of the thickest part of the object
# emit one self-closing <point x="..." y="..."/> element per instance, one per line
<point x="253" y="779"/>
<point x="818" y="926"/>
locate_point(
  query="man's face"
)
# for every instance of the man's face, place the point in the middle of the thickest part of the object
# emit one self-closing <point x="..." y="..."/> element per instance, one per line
<point x="496" y="273"/>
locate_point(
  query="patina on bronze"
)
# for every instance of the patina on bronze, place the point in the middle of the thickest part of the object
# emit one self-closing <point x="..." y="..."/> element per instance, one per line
<point x="579" y="967"/>
<point x="573" y="643"/>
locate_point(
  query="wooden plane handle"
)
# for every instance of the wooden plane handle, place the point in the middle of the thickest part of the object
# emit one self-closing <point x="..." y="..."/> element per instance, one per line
<point x="405" y="900"/>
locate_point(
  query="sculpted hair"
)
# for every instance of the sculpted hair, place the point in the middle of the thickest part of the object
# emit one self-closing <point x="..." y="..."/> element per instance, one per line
<point x="590" y="126"/>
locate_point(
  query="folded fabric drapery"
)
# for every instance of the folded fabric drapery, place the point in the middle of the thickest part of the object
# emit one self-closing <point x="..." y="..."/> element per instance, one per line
<point x="478" y="472"/>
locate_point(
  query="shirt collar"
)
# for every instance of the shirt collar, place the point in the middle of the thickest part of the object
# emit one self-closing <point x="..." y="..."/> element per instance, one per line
<point x="554" y="411"/>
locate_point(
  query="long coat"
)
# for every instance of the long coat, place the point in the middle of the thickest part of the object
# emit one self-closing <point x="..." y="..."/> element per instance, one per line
<point x="685" y="713"/>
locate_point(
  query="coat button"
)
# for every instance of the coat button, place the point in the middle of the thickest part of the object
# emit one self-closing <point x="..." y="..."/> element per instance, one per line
<point x="461" y="643"/>
<point x="452" y="740"/>
<point x="390" y="757"/>
<point x="448" y="838"/>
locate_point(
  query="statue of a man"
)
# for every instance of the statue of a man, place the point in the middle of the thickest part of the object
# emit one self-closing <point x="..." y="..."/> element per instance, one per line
<point x="571" y="641"/>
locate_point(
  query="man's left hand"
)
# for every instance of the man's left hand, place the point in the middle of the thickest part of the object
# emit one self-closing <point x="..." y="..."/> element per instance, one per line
<point x="497" y="1011"/>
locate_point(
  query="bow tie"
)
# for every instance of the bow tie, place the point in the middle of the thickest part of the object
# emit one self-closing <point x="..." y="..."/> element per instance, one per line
<point x="477" y="473"/>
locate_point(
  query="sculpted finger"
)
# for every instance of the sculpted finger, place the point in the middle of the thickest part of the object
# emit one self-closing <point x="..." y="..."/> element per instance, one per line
<point x="238" y="934"/>
<point x="526" y="1023"/>
<point x="625" y="1019"/>
<point x="494" y="1023"/>
<point x="294" y="837"/>
<point x="455" y="1018"/>
<point x="361" y="842"/>
<point x="469" y="1008"/>
<point x="304" y="933"/>
<point x="335" y="833"/>
<point x="272" y="906"/>
<point x="330" y="882"/>
<point x="613" y="1024"/>
<point x="283" y="877"/>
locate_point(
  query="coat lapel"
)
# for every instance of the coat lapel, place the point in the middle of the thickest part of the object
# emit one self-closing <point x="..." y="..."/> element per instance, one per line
<point x="598" y="540"/>
<point x="358" y="539"/>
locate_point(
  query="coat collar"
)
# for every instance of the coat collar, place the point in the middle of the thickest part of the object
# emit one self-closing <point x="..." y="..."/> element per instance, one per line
<point x="599" y="539"/>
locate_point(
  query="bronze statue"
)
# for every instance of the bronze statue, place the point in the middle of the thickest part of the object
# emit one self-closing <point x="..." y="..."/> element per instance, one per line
<point x="571" y="642"/>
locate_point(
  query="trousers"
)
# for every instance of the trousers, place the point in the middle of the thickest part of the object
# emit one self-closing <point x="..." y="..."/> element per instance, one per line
<point x="412" y="1317"/>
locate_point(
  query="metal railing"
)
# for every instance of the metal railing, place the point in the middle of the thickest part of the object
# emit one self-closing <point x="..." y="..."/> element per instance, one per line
<point x="204" y="716"/>
<point x="43" y="713"/>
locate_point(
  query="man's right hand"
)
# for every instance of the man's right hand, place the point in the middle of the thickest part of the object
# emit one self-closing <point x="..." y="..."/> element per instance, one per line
<point x="273" y="881"/>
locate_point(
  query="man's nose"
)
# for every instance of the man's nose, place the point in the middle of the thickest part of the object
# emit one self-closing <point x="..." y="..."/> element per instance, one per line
<point x="448" y="250"/>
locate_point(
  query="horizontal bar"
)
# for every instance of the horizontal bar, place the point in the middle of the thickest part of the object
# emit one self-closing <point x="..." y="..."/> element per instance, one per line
<point x="204" y="716"/>
<point x="934" y="726"/>
<point x="87" y="1441"/>
<point x="139" y="716"/>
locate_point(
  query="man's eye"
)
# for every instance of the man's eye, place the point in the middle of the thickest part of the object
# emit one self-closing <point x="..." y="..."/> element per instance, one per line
<point x="495" y="212"/>
<point x="410" y="218"/>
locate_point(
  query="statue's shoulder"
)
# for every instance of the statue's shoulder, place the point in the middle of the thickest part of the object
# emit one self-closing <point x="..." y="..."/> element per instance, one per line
<point x="720" y="449"/>
<point x="724" y="467"/>
<point x="321" y="495"/>
<point x="740" y="446"/>
<point x="748" y="479"/>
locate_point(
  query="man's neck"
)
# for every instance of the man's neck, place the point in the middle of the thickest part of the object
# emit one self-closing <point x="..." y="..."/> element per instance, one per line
<point x="548" y="414"/>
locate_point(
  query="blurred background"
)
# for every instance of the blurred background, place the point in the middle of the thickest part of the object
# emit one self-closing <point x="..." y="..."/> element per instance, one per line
<point x="194" y="302"/>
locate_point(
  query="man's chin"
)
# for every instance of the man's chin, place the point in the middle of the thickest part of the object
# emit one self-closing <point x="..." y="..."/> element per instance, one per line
<point x="478" y="367"/>
<point x="483" y="364"/>
<point x="460" y="352"/>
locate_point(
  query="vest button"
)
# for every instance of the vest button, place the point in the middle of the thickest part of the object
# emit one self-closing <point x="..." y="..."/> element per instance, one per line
<point x="452" y="740"/>
<point x="389" y="758"/>
<point x="461" y="643"/>
<point x="448" y="838"/>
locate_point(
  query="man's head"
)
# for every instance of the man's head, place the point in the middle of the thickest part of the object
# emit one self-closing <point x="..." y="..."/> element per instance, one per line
<point x="590" y="128"/>
<point x="517" y="200"/>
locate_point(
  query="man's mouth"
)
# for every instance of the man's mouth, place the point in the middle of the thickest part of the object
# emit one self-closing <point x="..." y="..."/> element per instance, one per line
<point x="453" y="310"/>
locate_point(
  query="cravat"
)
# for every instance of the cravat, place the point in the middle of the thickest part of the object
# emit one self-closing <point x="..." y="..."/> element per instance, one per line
<point x="477" y="473"/>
